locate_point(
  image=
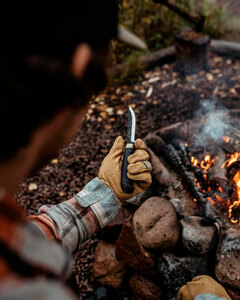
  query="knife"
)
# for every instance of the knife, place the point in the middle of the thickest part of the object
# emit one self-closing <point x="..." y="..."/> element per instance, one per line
<point x="126" y="183"/>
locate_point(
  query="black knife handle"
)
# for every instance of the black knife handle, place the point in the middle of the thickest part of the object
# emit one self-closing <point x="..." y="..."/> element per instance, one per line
<point x="127" y="184"/>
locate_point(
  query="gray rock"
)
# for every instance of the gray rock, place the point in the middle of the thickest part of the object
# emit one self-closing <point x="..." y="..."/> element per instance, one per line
<point x="196" y="237"/>
<point x="179" y="206"/>
<point x="156" y="224"/>
<point x="228" y="259"/>
<point x="175" y="271"/>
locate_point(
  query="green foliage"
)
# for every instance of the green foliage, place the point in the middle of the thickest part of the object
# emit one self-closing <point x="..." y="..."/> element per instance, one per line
<point x="219" y="19"/>
<point x="157" y="25"/>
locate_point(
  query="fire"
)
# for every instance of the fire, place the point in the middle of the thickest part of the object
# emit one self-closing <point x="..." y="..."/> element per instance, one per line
<point x="233" y="158"/>
<point x="220" y="196"/>
<point x="235" y="204"/>
<point x="207" y="162"/>
<point x="226" y="139"/>
<point x="194" y="161"/>
<point x="211" y="200"/>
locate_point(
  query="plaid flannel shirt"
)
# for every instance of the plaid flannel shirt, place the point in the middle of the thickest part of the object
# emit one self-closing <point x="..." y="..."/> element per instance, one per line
<point x="32" y="264"/>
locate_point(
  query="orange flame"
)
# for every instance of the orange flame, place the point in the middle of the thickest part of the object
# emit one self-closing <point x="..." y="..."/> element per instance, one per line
<point x="226" y="138"/>
<point x="233" y="157"/>
<point x="205" y="165"/>
<point x="220" y="189"/>
<point x="219" y="199"/>
<point x="236" y="179"/>
<point x="207" y="162"/>
<point x="194" y="161"/>
<point x="211" y="200"/>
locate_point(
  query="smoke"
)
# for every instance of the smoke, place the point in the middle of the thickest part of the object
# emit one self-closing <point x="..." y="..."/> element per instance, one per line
<point x="214" y="122"/>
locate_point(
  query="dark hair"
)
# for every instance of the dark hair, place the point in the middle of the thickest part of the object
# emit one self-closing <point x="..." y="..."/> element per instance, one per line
<point x="34" y="88"/>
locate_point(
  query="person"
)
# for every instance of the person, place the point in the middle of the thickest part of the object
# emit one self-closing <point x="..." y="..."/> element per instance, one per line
<point x="53" y="57"/>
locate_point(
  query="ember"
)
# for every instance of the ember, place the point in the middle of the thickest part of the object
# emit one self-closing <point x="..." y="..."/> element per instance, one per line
<point x="226" y="139"/>
<point x="219" y="195"/>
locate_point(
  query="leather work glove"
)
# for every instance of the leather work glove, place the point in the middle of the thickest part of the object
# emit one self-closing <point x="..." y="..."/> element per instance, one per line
<point x="139" y="169"/>
<point x="202" y="285"/>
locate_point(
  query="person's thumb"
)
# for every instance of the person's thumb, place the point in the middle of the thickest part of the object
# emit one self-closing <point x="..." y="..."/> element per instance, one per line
<point x="117" y="148"/>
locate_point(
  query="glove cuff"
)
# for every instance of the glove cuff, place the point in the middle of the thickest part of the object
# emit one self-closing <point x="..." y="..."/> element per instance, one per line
<point x="100" y="198"/>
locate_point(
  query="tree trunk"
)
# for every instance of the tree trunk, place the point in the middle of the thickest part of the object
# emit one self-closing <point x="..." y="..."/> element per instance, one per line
<point x="192" y="51"/>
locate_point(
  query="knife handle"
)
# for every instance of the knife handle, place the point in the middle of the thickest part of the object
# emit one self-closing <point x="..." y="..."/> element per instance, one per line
<point x="126" y="183"/>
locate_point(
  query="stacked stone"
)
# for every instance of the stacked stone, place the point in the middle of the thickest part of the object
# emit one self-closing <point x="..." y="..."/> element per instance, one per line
<point x="157" y="244"/>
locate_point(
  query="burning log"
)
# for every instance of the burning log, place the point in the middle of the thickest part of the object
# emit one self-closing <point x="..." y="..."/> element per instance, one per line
<point x="233" y="169"/>
<point x="192" y="51"/>
<point x="209" y="212"/>
<point x="175" y="161"/>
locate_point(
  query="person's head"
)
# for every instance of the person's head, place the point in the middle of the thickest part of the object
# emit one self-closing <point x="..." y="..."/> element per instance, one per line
<point x="52" y="60"/>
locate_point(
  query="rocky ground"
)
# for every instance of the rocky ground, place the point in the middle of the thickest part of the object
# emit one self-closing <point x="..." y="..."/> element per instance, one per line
<point x="159" y="98"/>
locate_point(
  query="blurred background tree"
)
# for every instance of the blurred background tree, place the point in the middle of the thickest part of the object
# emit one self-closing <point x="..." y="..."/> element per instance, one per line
<point x="157" y="25"/>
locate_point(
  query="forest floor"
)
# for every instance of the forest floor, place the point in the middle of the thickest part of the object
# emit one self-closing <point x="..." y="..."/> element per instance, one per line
<point x="159" y="98"/>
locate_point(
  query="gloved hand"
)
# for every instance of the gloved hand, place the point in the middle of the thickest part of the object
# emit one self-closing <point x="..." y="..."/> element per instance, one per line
<point x="139" y="169"/>
<point x="202" y="285"/>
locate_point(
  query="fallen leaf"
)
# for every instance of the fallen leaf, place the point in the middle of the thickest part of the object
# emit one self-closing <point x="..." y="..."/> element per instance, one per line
<point x="104" y="114"/>
<point x="109" y="110"/>
<point x="149" y="93"/>
<point x="154" y="79"/>
<point x="32" y="186"/>
<point x="120" y="112"/>
<point x="209" y="77"/>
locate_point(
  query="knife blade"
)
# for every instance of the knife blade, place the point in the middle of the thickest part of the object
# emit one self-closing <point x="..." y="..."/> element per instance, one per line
<point x="126" y="183"/>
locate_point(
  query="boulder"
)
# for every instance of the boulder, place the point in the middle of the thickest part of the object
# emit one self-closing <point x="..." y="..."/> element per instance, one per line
<point x="130" y="251"/>
<point x="107" y="270"/>
<point x="227" y="267"/>
<point x="175" y="271"/>
<point x="156" y="224"/>
<point x="111" y="232"/>
<point x="197" y="237"/>
<point x="144" y="288"/>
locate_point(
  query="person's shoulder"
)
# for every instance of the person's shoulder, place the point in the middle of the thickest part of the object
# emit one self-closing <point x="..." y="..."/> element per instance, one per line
<point x="37" y="289"/>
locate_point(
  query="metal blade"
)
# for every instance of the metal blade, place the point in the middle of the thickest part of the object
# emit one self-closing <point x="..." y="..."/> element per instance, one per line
<point x="131" y="126"/>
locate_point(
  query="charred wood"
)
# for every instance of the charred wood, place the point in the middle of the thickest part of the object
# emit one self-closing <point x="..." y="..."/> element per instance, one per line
<point x="175" y="161"/>
<point x="209" y="212"/>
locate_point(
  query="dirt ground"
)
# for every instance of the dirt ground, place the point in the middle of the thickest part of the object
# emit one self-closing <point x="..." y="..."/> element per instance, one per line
<point x="159" y="99"/>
